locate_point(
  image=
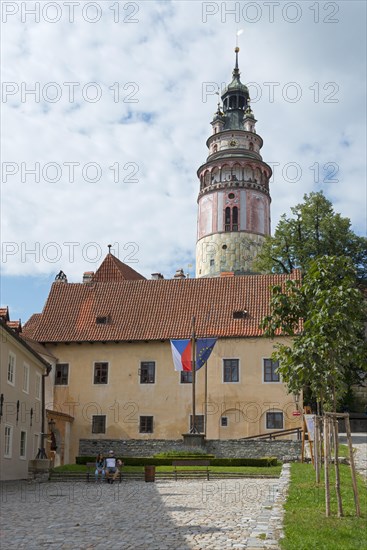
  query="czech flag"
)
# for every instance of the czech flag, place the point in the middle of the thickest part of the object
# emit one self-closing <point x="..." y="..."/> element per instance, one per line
<point x="181" y="352"/>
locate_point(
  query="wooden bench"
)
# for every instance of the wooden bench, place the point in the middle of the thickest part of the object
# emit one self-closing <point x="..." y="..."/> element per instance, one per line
<point x="91" y="468"/>
<point x="180" y="464"/>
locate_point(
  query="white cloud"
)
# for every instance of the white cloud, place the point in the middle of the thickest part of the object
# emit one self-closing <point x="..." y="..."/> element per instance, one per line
<point x="163" y="61"/>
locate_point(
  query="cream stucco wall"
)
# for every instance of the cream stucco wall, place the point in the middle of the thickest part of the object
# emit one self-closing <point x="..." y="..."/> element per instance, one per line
<point x="124" y="399"/>
<point x="12" y="465"/>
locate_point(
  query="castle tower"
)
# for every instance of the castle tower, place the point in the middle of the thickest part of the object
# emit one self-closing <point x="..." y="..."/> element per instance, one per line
<point x="234" y="200"/>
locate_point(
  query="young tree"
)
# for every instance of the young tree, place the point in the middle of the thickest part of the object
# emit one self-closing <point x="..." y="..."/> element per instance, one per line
<point x="314" y="230"/>
<point x="325" y="314"/>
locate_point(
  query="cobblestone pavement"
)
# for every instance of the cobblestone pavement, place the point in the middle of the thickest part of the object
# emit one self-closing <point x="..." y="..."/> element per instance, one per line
<point x="359" y="442"/>
<point x="134" y="515"/>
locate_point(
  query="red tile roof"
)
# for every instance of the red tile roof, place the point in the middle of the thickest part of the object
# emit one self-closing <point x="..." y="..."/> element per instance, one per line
<point x="31" y="325"/>
<point x="112" y="269"/>
<point x="155" y="309"/>
<point x="4" y="313"/>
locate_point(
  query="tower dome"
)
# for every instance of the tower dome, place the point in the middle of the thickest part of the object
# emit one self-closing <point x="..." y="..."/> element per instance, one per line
<point x="234" y="199"/>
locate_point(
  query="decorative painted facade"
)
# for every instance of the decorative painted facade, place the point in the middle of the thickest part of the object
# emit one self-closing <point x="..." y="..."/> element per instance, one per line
<point x="234" y="199"/>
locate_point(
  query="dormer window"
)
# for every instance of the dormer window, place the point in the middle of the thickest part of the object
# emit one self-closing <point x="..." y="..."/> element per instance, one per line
<point x="240" y="314"/>
<point x="101" y="320"/>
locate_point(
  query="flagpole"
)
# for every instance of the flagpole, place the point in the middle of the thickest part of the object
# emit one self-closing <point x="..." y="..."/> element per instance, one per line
<point x="193" y="366"/>
<point x="206" y="395"/>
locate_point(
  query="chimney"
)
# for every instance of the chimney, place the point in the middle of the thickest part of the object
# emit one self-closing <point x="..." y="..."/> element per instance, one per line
<point x="157" y="276"/>
<point x="88" y="276"/>
<point x="179" y="274"/>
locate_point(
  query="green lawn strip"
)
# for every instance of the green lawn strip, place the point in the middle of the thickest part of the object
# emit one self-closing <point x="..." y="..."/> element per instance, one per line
<point x="305" y="524"/>
<point x="250" y="470"/>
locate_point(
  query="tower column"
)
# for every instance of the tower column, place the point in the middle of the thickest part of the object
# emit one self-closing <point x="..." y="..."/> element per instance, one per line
<point x="234" y="199"/>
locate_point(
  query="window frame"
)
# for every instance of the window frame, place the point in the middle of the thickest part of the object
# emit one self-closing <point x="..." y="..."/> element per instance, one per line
<point x="272" y="373"/>
<point x="61" y="383"/>
<point x="146" y="422"/>
<point x="224" y="370"/>
<point x="96" y="365"/>
<point x="183" y="374"/>
<point x="8" y="441"/>
<point x="23" y="445"/>
<point x="12" y="363"/>
<point x="26" y="369"/>
<point x="103" y="424"/>
<point x="38" y="386"/>
<point x="268" y="413"/>
<point x="201" y="424"/>
<point x="146" y="365"/>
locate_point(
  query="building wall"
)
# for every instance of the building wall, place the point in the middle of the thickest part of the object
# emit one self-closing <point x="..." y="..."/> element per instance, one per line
<point x="124" y="399"/>
<point x="12" y="464"/>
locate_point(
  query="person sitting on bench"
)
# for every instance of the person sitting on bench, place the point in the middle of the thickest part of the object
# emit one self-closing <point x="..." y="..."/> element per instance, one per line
<point x="100" y="467"/>
<point x="112" y="464"/>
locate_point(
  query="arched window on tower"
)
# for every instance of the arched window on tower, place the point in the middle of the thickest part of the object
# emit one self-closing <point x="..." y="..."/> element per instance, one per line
<point x="227" y="219"/>
<point x="251" y="146"/>
<point x="231" y="218"/>
<point x="235" y="218"/>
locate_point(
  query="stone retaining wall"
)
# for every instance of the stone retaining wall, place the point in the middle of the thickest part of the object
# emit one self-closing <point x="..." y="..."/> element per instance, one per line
<point x="285" y="450"/>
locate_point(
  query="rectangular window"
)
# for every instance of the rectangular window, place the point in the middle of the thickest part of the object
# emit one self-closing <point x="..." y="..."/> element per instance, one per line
<point x="8" y="444"/>
<point x="38" y="386"/>
<point x="23" y="444"/>
<point x="62" y="374"/>
<point x="186" y="377"/>
<point x="11" y="368"/>
<point x="99" y="424"/>
<point x="146" y="425"/>
<point x="274" y="420"/>
<point x="199" y="423"/>
<point x="270" y="367"/>
<point x="26" y="378"/>
<point x="230" y="370"/>
<point x="224" y="421"/>
<point x="147" y="372"/>
<point x="100" y="373"/>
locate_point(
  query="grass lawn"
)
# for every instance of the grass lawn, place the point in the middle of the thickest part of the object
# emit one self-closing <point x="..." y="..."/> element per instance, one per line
<point x="250" y="470"/>
<point x="305" y="524"/>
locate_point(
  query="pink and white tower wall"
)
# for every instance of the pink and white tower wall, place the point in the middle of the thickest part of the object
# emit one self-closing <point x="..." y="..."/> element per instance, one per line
<point x="234" y="199"/>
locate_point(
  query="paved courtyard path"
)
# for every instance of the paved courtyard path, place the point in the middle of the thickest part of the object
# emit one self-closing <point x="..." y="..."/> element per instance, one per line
<point x="134" y="515"/>
<point x="359" y="442"/>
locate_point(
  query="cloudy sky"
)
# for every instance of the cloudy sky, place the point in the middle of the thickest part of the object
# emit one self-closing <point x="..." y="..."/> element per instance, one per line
<point x="106" y="107"/>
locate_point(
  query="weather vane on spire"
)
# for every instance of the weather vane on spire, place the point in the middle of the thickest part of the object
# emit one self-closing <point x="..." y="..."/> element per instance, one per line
<point x="238" y="33"/>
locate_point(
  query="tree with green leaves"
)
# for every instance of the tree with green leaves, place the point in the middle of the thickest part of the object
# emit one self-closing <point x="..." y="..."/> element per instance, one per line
<point x="313" y="230"/>
<point x="325" y="314"/>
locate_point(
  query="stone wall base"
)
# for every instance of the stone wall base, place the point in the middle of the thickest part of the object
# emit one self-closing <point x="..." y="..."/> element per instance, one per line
<point x="285" y="450"/>
<point x="38" y="469"/>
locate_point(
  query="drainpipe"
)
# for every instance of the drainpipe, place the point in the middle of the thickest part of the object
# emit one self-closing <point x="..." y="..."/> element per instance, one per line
<point x="41" y="451"/>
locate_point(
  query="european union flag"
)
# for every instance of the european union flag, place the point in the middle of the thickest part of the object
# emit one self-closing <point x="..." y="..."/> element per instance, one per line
<point x="204" y="347"/>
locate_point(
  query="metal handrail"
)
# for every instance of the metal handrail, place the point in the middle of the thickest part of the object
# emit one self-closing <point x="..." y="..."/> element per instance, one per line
<point x="274" y="435"/>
